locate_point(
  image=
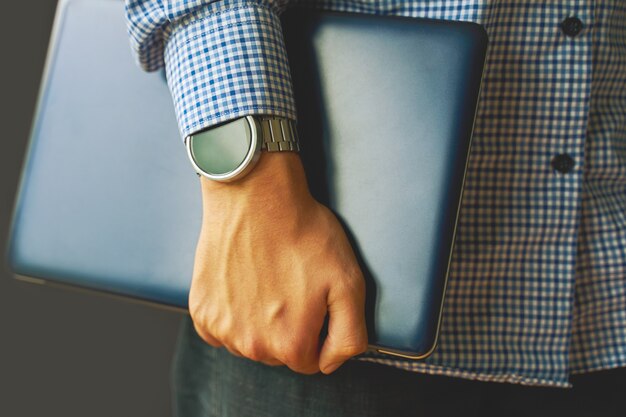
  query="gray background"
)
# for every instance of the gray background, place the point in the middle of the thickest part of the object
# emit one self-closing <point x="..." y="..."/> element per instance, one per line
<point x="66" y="353"/>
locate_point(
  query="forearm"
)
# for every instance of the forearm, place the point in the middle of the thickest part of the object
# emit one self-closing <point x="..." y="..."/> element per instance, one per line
<point x="271" y="262"/>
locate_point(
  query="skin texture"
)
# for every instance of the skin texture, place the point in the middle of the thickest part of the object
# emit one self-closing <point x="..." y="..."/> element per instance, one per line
<point x="271" y="263"/>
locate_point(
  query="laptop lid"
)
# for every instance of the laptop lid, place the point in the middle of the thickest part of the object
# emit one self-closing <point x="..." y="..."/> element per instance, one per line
<point x="386" y="107"/>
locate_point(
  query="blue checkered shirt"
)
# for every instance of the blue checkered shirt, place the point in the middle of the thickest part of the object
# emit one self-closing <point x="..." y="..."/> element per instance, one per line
<point x="537" y="288"/>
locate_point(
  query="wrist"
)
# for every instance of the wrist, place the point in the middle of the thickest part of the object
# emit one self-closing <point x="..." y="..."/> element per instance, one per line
<point x="277" y="183"/>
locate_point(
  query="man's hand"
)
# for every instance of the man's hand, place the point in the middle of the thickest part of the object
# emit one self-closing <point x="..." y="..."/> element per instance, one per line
<point x="271" y="262"/>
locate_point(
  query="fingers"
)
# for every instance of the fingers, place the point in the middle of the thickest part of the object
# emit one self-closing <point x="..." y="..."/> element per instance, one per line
<point x="347" y="332"/>
<point x="295" y="352"/>
<point x="266" y="361"/>
<point x="253" y="354"/>
<point x="300" y="355"/>
<point x="272" y="362"/>
<point x="347" y="337"/>
<point x="206" y="336"/>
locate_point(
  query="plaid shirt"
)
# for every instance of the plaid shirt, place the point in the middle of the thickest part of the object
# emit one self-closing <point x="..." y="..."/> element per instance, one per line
<point x="537" y="288"/>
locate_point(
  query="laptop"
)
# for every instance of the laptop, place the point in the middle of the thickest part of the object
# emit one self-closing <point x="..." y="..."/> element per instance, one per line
<point x="386" y="107"/>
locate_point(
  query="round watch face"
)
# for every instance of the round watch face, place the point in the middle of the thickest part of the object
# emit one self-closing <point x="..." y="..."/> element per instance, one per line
<point x="225" y="152"/>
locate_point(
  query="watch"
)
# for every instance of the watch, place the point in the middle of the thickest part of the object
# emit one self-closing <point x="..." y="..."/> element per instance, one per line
<point x="228" y="151"/>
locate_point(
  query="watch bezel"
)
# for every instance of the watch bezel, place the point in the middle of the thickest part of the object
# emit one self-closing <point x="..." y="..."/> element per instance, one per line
<point x="252" y="156"/>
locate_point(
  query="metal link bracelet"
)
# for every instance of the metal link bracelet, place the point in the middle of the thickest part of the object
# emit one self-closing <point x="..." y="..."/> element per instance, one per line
<point x="279" y="134"/>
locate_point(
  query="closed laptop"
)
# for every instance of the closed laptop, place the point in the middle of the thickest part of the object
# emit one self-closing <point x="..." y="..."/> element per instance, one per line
<point x="386" y="107"/>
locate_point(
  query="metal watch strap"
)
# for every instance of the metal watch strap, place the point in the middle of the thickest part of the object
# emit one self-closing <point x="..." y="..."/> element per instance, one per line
<point x="279" y="134"/>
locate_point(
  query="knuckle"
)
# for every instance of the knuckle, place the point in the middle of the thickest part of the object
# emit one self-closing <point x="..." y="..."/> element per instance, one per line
<point x="195" y="311"/>
<point x="272" y="362"/>
<point x="306" y="368"/>
<point x="350" y="290"/>
<point x="289" y="356"/>
<point x="205" y="336"/>
<point x="198" y="322"/>
<point x="202" y="316"/>
<point x="298" y="358"/>
<point x="309" y="369"/>
<point x="210" y="325"/>
<point x="196" y="305"/>
<point x="233" y="351"/>
<point x="252" y="349"/>
<point x="355" y="285"/>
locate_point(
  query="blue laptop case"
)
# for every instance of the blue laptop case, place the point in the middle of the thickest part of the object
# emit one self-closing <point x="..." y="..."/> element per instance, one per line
<point x="386" y="107"/>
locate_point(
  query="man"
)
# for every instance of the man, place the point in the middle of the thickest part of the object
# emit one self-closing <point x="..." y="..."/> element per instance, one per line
<point x="537" y="288"/>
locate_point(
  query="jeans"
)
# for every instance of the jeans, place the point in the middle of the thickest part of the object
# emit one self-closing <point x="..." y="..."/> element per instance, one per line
<point x="210" y="382"/>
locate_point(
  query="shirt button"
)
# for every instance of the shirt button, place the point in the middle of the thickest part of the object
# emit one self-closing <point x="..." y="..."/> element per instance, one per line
<point x="563" y="163"/>
<point x="572" y="26"/>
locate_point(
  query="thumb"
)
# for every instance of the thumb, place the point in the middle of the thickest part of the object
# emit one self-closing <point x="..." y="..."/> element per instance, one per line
<point x="347" y="333"/>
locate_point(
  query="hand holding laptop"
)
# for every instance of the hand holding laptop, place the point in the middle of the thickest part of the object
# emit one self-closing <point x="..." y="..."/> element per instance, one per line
<point x="271" y="262"/>
<point x="385" y="118"/>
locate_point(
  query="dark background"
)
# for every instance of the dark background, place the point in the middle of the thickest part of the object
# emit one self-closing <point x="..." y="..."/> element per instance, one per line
<point x="67" y="353"/>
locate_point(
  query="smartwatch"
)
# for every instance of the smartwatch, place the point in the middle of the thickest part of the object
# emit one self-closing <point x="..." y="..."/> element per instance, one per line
<point x="228" y="151"/>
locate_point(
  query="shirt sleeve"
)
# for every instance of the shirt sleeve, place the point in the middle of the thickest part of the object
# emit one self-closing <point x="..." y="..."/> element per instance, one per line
<point x="223" y="58"/>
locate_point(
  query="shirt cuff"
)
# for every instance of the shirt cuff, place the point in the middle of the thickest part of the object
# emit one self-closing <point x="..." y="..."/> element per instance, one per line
<point x="228" y="63"/>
